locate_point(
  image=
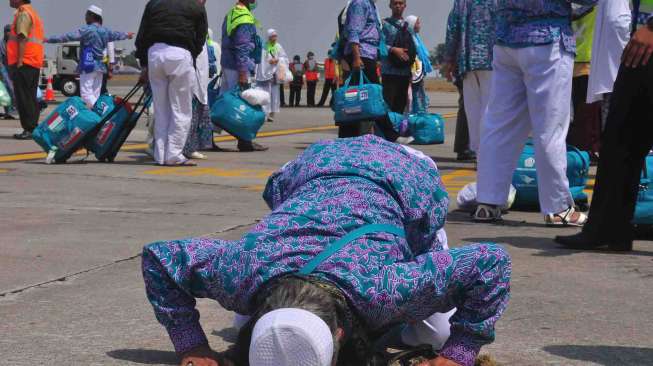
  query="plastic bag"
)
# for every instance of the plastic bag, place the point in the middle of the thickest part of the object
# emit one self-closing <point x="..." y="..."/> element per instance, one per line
<point x="256" y="97"/>
<point x="467" y="197"/>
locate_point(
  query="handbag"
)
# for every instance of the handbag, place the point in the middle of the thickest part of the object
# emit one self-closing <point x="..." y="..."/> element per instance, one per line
<point x="233" y="114"/>
<point x="363" y="102"/>
<point x="644" y="207"/>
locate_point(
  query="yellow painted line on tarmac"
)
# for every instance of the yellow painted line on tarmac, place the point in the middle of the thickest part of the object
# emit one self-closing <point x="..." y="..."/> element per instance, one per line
<point x="4" y="170"/>
<point x="211" y="172"/>
<point x="13" y="158"/>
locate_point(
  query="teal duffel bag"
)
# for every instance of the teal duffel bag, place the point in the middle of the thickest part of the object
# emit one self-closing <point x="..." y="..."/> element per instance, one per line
<point x="525" y="177"/>
<point x="233" y="114"/>
<point x="426" y="128"/>
<point x="644" y="207"/>
<point x="66" y="129"/>
<point x="363" y="102"/>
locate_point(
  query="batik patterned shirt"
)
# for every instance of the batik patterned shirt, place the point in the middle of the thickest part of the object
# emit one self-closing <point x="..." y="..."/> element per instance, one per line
<point x="362" y="27"/>
<point x="333" y="188"/>
<point x="391" y="29"/>
<point x="527" y="23"/>
<point x="238" y="47"/>
<point x="94" y="36"/>
<point x="471" y="35"/>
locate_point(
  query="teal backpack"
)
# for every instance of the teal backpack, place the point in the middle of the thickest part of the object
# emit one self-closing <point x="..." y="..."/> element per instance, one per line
<point x="525" y="177"/>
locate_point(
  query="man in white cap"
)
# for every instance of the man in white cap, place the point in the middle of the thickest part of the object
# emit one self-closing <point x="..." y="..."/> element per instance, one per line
<point x="274" y="57"/>
<point x="94" y="39"/>
<point x="354" y="245"/>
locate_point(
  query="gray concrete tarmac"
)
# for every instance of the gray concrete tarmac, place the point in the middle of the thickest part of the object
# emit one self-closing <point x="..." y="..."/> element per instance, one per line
<point x="71" y="291"/>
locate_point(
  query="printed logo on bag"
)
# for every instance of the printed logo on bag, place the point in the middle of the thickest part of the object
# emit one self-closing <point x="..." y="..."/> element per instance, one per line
<point x="527" y="179"/>
<point x="364" y="95"/>
<point x="105" y="107"/>
<point x="353" y="110"/>
<point x="351" y="94"/>
<point x="105" y="132"/>
<point x="242" y="108"/>
<point x="55" y="123"/>
<point x="71" y="139"/>
<point x="529" y="163"/>
<point x="72" y="112"/>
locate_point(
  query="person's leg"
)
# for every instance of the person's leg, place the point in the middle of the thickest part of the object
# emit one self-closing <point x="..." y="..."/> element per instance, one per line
<point x="548" y="72"/>
<point x="298" y="95"/>
<point x="626" y="142"/>
<point x="390" y="91"/>
<point x="86" y="88"/>
<point x="325" y="92"/>
<point x="267" y="87"/>
<point x="105" y="82"/>
<point x="401" y="96"/>
<point x="310" y="93"/>
<point x="275" y="103"/>
<point x="334" y="87"/>
<point x="229" y="80"/>
<point x="282" y="95"/>
<point x="473" y="108"/>
<point x="181" y="74"/>
<point x="96" y="87"/>
<point x="160" y="100"/>
<point x="461" y="142"/>
<point x="291" y="101"/>
<point x="506" y="128"/>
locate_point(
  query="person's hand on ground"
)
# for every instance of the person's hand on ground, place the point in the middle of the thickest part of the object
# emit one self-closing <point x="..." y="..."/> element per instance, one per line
<point x="200" y="356"/>
<point x="400" y="52"/>
<point x="639" y="49"/>
<point x="440" y="361"/>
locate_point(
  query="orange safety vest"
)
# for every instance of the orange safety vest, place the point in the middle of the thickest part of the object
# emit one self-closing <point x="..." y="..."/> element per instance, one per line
<point x="34" y="50"/>
<point x="311" y="75"/>
<point x="329" y="69"/>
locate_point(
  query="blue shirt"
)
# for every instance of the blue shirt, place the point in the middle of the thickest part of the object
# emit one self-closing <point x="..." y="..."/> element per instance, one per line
<point x="527" y="23"/>
<point x="362" y="28"/>
<point x="391" y="28"/>
<point x="94" y="36"/>
<point x="237" y="49"/>
<point x="471" y="35"/>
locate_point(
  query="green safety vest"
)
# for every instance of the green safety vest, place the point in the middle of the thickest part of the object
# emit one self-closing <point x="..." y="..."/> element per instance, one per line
<point x="584" y="30"/>
<point x="239" y="15"/>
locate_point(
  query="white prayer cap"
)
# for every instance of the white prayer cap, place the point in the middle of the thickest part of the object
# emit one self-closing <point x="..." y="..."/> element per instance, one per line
<point x="411" y="20"/>
<point x="272" y="32"/>
<point x="95" y="10"/>
<point x="291" y="337"/>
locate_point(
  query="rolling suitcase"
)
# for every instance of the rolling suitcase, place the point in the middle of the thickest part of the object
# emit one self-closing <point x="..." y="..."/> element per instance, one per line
<point x="65" y="130"/>
<point x="116" y="113"/>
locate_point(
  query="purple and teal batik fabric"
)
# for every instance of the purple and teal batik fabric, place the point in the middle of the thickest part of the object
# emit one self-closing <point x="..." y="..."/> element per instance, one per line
<point x="526" y="23"/>
<point x="362" y="28"/>
<point x="333" y="188"/>
<point x="471" y="35"/>
<point x="237" y="48"/>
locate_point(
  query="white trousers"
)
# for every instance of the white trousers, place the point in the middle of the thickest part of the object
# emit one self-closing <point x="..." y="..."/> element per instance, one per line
<point x="530" y="92"/>
<point x="171" y="75"/>
<point x="476" y="93"/>
<point x="273" y="88"/>
<point x="90" y="85"/>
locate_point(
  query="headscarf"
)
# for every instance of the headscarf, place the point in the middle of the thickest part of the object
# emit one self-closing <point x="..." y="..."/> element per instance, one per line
<point x="270" y="47"/>
<point x="422" y="51"/>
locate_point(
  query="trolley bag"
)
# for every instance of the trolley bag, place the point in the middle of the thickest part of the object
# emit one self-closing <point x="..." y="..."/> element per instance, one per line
<point x="644" y="206"/>
<point x="110" y="130"/>
<point x="64" y="131"/>
<point x="233" y="114"/>
<point x="5" y="97"/>
<point x="363" y="102"/>
<point x="525" y="177"/>
<point x="123" y="133"/>
<point x="426" y="128"/>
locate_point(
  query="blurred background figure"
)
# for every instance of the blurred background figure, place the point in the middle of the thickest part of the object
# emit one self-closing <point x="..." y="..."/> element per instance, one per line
<point x="266" y="73"/>
<point x="421" y="68"/>
<point x="312" y="77"/>
<point x="330" y="80"/>
<point x="297" y="69"/>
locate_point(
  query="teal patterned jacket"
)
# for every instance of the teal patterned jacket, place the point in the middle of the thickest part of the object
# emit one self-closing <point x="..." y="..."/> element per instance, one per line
<point x="333" y="188"/>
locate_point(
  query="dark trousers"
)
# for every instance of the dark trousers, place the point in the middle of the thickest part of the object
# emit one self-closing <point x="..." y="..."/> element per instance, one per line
<point x="105" y="82"/>
<point x="359" y="128"/>
<point x="295" y="95"/>
<point x="26" y="80"/>
<point x="329" y="87"/>
<point x="310" y="93"/>
<point x="585" y="128"/>
<point x="395" y="92"/>
<point x="461" y="143"/>
<point x="625" y="143"/>
<point x="282" y="95"/>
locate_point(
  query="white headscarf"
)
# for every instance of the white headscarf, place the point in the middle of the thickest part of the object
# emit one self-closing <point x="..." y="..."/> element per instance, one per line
<point x="272" y="32"/>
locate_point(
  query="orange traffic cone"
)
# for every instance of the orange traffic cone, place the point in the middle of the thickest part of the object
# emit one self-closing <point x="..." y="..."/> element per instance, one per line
<point x="49" y="91"/>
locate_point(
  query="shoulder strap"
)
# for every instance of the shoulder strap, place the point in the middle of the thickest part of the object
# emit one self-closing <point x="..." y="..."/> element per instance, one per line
<point x="340" y="243"/>
<point x="636" y="7"/>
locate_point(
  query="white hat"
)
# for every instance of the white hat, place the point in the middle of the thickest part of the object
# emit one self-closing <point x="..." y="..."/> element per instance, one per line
<point x="291" y="337"/>
<point x="95" y="10"/>
<point x="272" y="32"/>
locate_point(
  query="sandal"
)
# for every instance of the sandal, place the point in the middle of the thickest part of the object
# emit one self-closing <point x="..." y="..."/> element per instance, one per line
<point x="487" y="213"/>
<point x="566" y="218"/>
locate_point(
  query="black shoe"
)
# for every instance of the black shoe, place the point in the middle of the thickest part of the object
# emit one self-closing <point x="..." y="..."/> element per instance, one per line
<point x="249" y="146"/>
<point x="467" y="155"/>
<point x="584" y="241"/>
<point x="8" y="117"/>
<point x="25" y="135"/>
